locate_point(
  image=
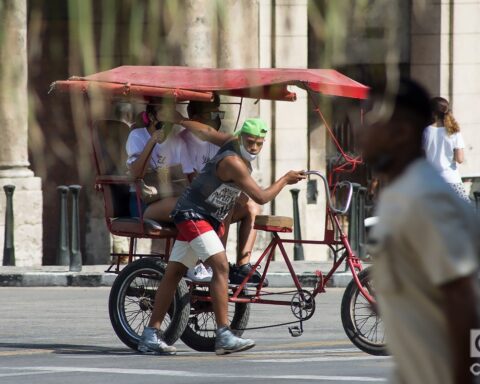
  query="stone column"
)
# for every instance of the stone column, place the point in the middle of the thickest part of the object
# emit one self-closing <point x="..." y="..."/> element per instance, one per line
<point x="429" y="45"/>
<point x="265" y="109"/>
<point x="291" y="121"/>
<point x="464" y="81"/>
<point x="238" y="47"/>
<point x="14" y="135"/>
<point x="223" y="34"/>
<point x="199" y="21"/>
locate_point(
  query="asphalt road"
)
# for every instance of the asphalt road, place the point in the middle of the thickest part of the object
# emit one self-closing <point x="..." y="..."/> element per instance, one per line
<point x="63" y="335"/>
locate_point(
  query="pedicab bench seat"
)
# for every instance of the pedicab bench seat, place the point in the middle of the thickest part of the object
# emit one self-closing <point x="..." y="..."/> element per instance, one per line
<point x="274" y="223"/>
<point x="108" y="138"/>
<point x="116" y="197"/>
<point x="133" y="226"/>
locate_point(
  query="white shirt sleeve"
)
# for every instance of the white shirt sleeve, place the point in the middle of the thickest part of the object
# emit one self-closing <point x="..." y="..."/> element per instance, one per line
<point x="134" y="146"/>
<point x="459" y="143"/>
<point x="425" y="137"/>
<point x="438" y="231"/>
<point x="184" y="156"/>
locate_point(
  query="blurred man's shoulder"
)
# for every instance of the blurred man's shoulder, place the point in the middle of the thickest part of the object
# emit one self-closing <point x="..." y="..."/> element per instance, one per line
<point x="421" y="180"/>
<point x="422" y="190"/>
<point x="415" y="187"/>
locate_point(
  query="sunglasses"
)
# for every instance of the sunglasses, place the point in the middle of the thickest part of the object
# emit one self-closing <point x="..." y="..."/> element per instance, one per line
<point x="215" y="115"/>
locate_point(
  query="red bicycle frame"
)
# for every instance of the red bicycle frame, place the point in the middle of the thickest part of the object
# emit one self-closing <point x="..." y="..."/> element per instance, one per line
<point x="332" y="226"/>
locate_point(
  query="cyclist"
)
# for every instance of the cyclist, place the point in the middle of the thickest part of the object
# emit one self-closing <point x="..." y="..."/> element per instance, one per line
<point x="199" y="216"/>
<point x="245" y="209"/>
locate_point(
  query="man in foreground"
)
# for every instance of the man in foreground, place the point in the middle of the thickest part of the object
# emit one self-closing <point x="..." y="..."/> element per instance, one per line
<point x="425" y="247"/>
<point x="199" y="216"/>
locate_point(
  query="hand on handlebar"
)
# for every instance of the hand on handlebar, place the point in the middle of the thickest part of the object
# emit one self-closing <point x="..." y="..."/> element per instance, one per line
<point x="347" y="184"/>
<point x="293" y="177"/>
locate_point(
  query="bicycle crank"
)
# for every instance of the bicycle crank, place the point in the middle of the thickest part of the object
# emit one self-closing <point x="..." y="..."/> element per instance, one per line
<point x="302" y="305"/>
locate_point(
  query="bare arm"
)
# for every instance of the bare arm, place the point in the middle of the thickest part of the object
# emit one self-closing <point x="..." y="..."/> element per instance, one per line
<point x="205" y="132"/>
<point x="460" y="310"/>
<point x="138" y="168"/>
<point x="458" y="155"/>
<point x="232" y="168"/>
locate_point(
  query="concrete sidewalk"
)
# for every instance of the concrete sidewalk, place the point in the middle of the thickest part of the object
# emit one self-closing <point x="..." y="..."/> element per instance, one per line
<point x="95" y="276"/>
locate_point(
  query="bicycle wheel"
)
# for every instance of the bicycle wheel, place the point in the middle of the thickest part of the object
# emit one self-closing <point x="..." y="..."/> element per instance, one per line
<point x="131" y="302"/>
<point x="360" y="320"/>
<point x="200" y="331"/>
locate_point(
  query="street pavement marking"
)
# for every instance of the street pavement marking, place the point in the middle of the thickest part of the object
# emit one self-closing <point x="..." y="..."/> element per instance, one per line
<point x="318" y="359"/>
<point x="24" y="352"/>
<point x="325" y="343"/>
<point x="171" y="373"/>
<point x="307" y="351"/>
<point x="266" y="350"/>
<point x="259" y="356"/>
<point x="25" y="373"/>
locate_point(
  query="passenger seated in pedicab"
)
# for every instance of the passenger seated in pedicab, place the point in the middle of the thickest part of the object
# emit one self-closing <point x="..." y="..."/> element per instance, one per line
<point x="201" y="152"/>
<point x="160" y="158"/>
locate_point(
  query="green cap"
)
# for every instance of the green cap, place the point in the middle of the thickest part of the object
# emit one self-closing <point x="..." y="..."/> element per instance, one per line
<point x="254" y="127"/>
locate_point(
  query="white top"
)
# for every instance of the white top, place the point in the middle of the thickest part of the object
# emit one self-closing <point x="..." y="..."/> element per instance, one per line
<point x="439" y="148"/>
<point x="171" y="152"/>
<point x="426" y="237"/>
<point x="200" y="151"/>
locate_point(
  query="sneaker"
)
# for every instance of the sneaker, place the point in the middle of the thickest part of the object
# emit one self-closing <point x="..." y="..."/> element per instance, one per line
<point x="200" y="273"/>
<point x="151" y="342"/>
<point x="237" y="274"/>
<point x="226" y="342"/>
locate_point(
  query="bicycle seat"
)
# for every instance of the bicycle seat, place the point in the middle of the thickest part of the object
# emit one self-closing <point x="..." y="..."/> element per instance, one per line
<point x="273" y="223"/>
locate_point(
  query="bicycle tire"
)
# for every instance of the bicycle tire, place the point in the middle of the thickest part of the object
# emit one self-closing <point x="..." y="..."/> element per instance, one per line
<point x="202" y="338"/>
<point x="353" y="322"/>
<point x="132" y="298"/>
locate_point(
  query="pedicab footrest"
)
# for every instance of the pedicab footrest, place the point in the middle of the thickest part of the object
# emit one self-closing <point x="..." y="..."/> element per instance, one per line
<point x="274" y="223"/>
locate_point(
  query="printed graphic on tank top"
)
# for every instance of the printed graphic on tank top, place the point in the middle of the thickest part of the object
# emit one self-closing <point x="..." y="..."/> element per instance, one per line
<point x="223" y="198"/>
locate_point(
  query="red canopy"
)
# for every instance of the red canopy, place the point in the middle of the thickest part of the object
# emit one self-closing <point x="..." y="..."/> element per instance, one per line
<point x="184" y="83"/>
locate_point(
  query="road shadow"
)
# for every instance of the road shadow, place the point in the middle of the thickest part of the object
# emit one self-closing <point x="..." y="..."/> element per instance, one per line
<point x="72" y="349"/>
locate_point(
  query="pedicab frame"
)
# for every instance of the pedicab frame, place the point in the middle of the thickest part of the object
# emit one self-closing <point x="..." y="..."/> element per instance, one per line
<point x="181" y="84"/>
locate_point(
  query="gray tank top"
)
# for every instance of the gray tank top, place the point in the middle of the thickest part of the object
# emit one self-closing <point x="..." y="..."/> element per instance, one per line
<point x="208" y="196"/>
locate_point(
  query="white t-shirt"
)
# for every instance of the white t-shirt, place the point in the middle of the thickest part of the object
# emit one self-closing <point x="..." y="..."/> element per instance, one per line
<point x="426" y="237"/>
<point x="439" y="148"/>
<point x="200" y="151"/>
<point x="171" y="152"/>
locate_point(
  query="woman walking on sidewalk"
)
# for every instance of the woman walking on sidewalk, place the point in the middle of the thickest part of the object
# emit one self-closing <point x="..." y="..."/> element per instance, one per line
<point x="443" y="144"/>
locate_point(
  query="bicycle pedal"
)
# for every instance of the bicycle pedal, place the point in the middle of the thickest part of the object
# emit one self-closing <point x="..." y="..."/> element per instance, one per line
<point x="320" y="283"/>
<point x="295" y="331"/>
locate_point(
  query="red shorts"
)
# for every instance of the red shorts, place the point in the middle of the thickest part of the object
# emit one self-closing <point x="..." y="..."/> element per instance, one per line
<point x="196" y="239"/>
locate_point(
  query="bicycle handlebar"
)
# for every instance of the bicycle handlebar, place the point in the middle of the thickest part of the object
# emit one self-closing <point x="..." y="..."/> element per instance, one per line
<point x="327" y="192"/>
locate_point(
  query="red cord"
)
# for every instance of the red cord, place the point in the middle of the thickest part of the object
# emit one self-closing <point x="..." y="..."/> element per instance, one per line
<point x="350" y="161"/>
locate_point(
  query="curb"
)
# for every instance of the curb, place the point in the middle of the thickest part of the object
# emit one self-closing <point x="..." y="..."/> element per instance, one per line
<point x="83" y="279"/>
<point x="56" y="279"/>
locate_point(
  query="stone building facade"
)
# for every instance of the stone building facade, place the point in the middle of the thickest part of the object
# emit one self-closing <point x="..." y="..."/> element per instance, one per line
<point x="436" y="42"/>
